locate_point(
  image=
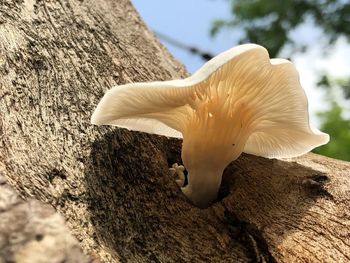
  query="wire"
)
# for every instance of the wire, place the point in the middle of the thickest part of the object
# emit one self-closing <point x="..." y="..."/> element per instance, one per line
<point x="204" y="55"/>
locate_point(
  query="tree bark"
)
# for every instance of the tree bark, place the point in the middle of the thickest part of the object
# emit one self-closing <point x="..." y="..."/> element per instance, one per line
<point x="33" y="232"/>
<point x="57" y="58"/>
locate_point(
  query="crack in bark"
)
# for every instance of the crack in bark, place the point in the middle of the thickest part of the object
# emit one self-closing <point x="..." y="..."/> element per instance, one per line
<point x="250" y="236"/>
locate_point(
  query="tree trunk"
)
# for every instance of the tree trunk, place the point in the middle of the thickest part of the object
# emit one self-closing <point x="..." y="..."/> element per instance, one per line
<point x="57" y="58"/>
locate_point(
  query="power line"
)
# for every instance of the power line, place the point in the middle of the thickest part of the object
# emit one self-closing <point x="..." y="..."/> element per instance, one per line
<point x="204" y="55"/>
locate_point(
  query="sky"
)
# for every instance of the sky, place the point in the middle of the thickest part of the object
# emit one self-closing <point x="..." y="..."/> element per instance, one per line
<point x="189" y="22"/>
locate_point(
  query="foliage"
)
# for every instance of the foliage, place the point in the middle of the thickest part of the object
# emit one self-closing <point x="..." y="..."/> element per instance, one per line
<point x="271" y="23"/>
<point x="333" y="121"/>
<point x="339" y="130"/>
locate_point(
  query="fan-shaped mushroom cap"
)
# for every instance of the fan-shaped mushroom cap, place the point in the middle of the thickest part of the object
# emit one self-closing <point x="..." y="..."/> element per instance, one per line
<point x="239" y="101"/>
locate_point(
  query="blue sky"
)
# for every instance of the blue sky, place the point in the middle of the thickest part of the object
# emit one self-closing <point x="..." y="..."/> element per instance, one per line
<point x="189" y="21"/>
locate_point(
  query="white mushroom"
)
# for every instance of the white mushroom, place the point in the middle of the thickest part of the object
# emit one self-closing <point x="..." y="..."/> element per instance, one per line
<point x="240" y="101"/>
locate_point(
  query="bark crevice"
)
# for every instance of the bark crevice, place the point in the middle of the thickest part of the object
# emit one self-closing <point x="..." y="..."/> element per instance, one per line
<point x="251" y="236"/>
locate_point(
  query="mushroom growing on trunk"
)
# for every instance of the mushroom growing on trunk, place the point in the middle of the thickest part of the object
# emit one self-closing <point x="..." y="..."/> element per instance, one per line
<point x="240" y="101"/>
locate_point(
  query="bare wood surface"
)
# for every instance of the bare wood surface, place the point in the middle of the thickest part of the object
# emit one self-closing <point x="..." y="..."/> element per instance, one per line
<point x="57" y="58"/>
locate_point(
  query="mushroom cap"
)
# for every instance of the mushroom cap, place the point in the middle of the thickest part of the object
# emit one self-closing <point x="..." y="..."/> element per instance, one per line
<point x="243" y="75"/>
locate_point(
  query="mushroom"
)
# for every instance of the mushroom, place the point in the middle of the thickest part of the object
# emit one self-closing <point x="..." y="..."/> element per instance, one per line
<point x="239" y="101"/>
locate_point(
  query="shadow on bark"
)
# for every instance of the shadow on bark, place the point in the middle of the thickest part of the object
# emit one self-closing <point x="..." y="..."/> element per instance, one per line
<point x="129" y="192"/>
<point x="139" y="213"/>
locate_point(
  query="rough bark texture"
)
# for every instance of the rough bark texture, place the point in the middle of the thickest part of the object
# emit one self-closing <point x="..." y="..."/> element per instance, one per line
<point x="57" y="58"/>
<point x="33" y="232"/>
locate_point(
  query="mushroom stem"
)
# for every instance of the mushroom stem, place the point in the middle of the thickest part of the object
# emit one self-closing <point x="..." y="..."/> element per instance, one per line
<point x="203" y="192"/>
<point x="205" y="164"/>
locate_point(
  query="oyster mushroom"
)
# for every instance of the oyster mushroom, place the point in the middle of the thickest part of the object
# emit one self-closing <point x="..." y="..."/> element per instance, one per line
<point x="240" y="101"/>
